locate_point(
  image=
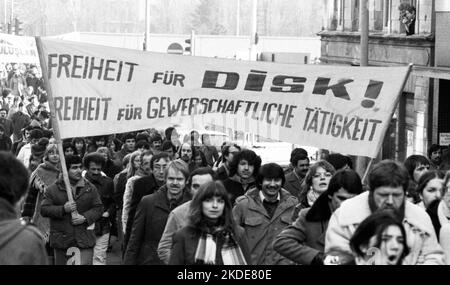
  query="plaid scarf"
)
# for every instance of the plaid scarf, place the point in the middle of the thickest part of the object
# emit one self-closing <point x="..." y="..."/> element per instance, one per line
<point x="207" y="247"/>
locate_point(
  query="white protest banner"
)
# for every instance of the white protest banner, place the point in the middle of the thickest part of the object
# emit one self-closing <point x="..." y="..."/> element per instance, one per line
<point x="18" y="49"/>
<point x="100" y="90"/>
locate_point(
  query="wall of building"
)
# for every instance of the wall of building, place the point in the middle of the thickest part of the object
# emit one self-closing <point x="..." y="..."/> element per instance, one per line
<point x="389" y="46"/>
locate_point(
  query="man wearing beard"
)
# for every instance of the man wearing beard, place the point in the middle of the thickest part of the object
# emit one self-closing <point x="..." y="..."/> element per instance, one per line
<point x="388" y="182"/>
<point x="294" y="179"/>
<point x="94" y="162"/>
<point x="187" y="154"/>
<point x="264" y="212"/>
<point x="152" y="213"/>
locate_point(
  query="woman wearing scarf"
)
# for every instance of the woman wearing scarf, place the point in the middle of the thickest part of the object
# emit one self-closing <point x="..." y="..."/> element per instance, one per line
<point x="315" y="183"/>
<point x="45" y="175"/>
<point x="211" y="237"/>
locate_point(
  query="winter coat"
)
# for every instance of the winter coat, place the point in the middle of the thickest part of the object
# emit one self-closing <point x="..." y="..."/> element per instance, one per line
<point x="260" y="229"/>
<point x="305" y="238"/>
<point x="293" y="184"/>
<point x="19" y="244"/>
<point x="19" y="120"/>
<point x="143" y="186"/>
<point x="45" y="175"/>
<point x="8" y="126"/>
<point x="111" y="169"/>
<point x="421" y="237"/>
<point x="185" y="242"/>
<point x="177" y="219"/>
<point x="5" y="143"/>
<point x="105" y="189"/>
<point x="120" y="181"/>
<point x="222" y="173"/>
<point x="148" y="226"/>
<point x="62" y="233"/>
<point x="235" y="188"/>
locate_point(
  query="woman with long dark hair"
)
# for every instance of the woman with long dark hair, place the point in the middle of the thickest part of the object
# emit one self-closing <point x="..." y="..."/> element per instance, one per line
<point x="380" y="240"/>
<point x="211" y="236"/>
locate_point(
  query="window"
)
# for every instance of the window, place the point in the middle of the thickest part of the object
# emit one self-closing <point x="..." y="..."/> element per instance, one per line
<point x="355" y="16"/>
<point x="387" y="14"/>
<point x="378" y="14"/>
<point x="340" y="15"/>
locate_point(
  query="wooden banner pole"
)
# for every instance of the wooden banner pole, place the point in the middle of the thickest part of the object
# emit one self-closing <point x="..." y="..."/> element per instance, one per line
<point x="54" y="119"/>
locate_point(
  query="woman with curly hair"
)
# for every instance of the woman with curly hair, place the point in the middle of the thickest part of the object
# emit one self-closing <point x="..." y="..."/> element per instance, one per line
<point x="211" y="236"/>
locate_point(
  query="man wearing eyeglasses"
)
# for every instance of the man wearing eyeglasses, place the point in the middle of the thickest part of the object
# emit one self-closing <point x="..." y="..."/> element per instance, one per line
<point x="294" y="180"/>
<point x="388" y="182"/>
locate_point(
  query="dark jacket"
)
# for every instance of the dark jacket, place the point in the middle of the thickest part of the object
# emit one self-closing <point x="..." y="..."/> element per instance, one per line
<point x="222" y="173"/>
<point x="19" y="244"/>
<point x="110" y="169"/>
<point x="302" y="241"/>
<point x="432" y="212"/>
<point x="8" y="126"/>
<point x="5" y="143"/>
<point x="148" y="227"/>
<point x="62" y="233"/>
<point x="105" y="189"/>
<point x="260" y="228"/>
<point x="185" y="242"/>
<point x="19" y="120"/>
<point x="293" y="184"/>
<point x="119" y="189"/>
<point x="143" y="186"/>
<point x="303" y="204"/>
<point x="236" y="189"/>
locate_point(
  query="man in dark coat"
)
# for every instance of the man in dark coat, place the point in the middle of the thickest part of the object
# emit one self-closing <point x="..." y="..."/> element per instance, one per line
<point x="67" y="231"/>
<point x="7" y="124"/>
<point x="5" y="141"/>
<point x="94" y="163"/>
<point x="147" y="185"/>
<point x="19" y="244"/>
<point x="152" y="213"/>
<point x="295" y="178"/>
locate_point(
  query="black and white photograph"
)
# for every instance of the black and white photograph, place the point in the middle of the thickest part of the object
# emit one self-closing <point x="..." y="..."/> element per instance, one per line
<point x="251" y="133"/>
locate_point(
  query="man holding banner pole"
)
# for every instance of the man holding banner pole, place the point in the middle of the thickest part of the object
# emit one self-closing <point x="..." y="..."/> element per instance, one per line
<point x="71" y="220"/>
<point x="68" y="237"/>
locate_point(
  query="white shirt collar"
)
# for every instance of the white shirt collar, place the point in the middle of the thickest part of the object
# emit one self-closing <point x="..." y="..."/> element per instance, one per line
<point x="262" y="197"/>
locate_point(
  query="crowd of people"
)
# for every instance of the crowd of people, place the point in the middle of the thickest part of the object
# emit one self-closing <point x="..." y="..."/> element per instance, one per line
<point x="180" y="202"/>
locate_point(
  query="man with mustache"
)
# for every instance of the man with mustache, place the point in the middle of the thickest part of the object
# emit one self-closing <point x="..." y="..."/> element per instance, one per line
<point x="152" y="213"/>
<point x="156" y="143"/>
<point x="294" y="180"/>
<point x="264" y="212"/>
<point x="388" y="182"/>
<point x="179" y="217"/>
<point x="243" y="169"/>
<point x="187" y="153"/>
<point x="67" y="231"/>
<point x="94" y="163"/>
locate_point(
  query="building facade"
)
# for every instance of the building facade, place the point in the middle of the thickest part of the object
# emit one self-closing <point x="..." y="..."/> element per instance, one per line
<point x="419" y="120"/>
